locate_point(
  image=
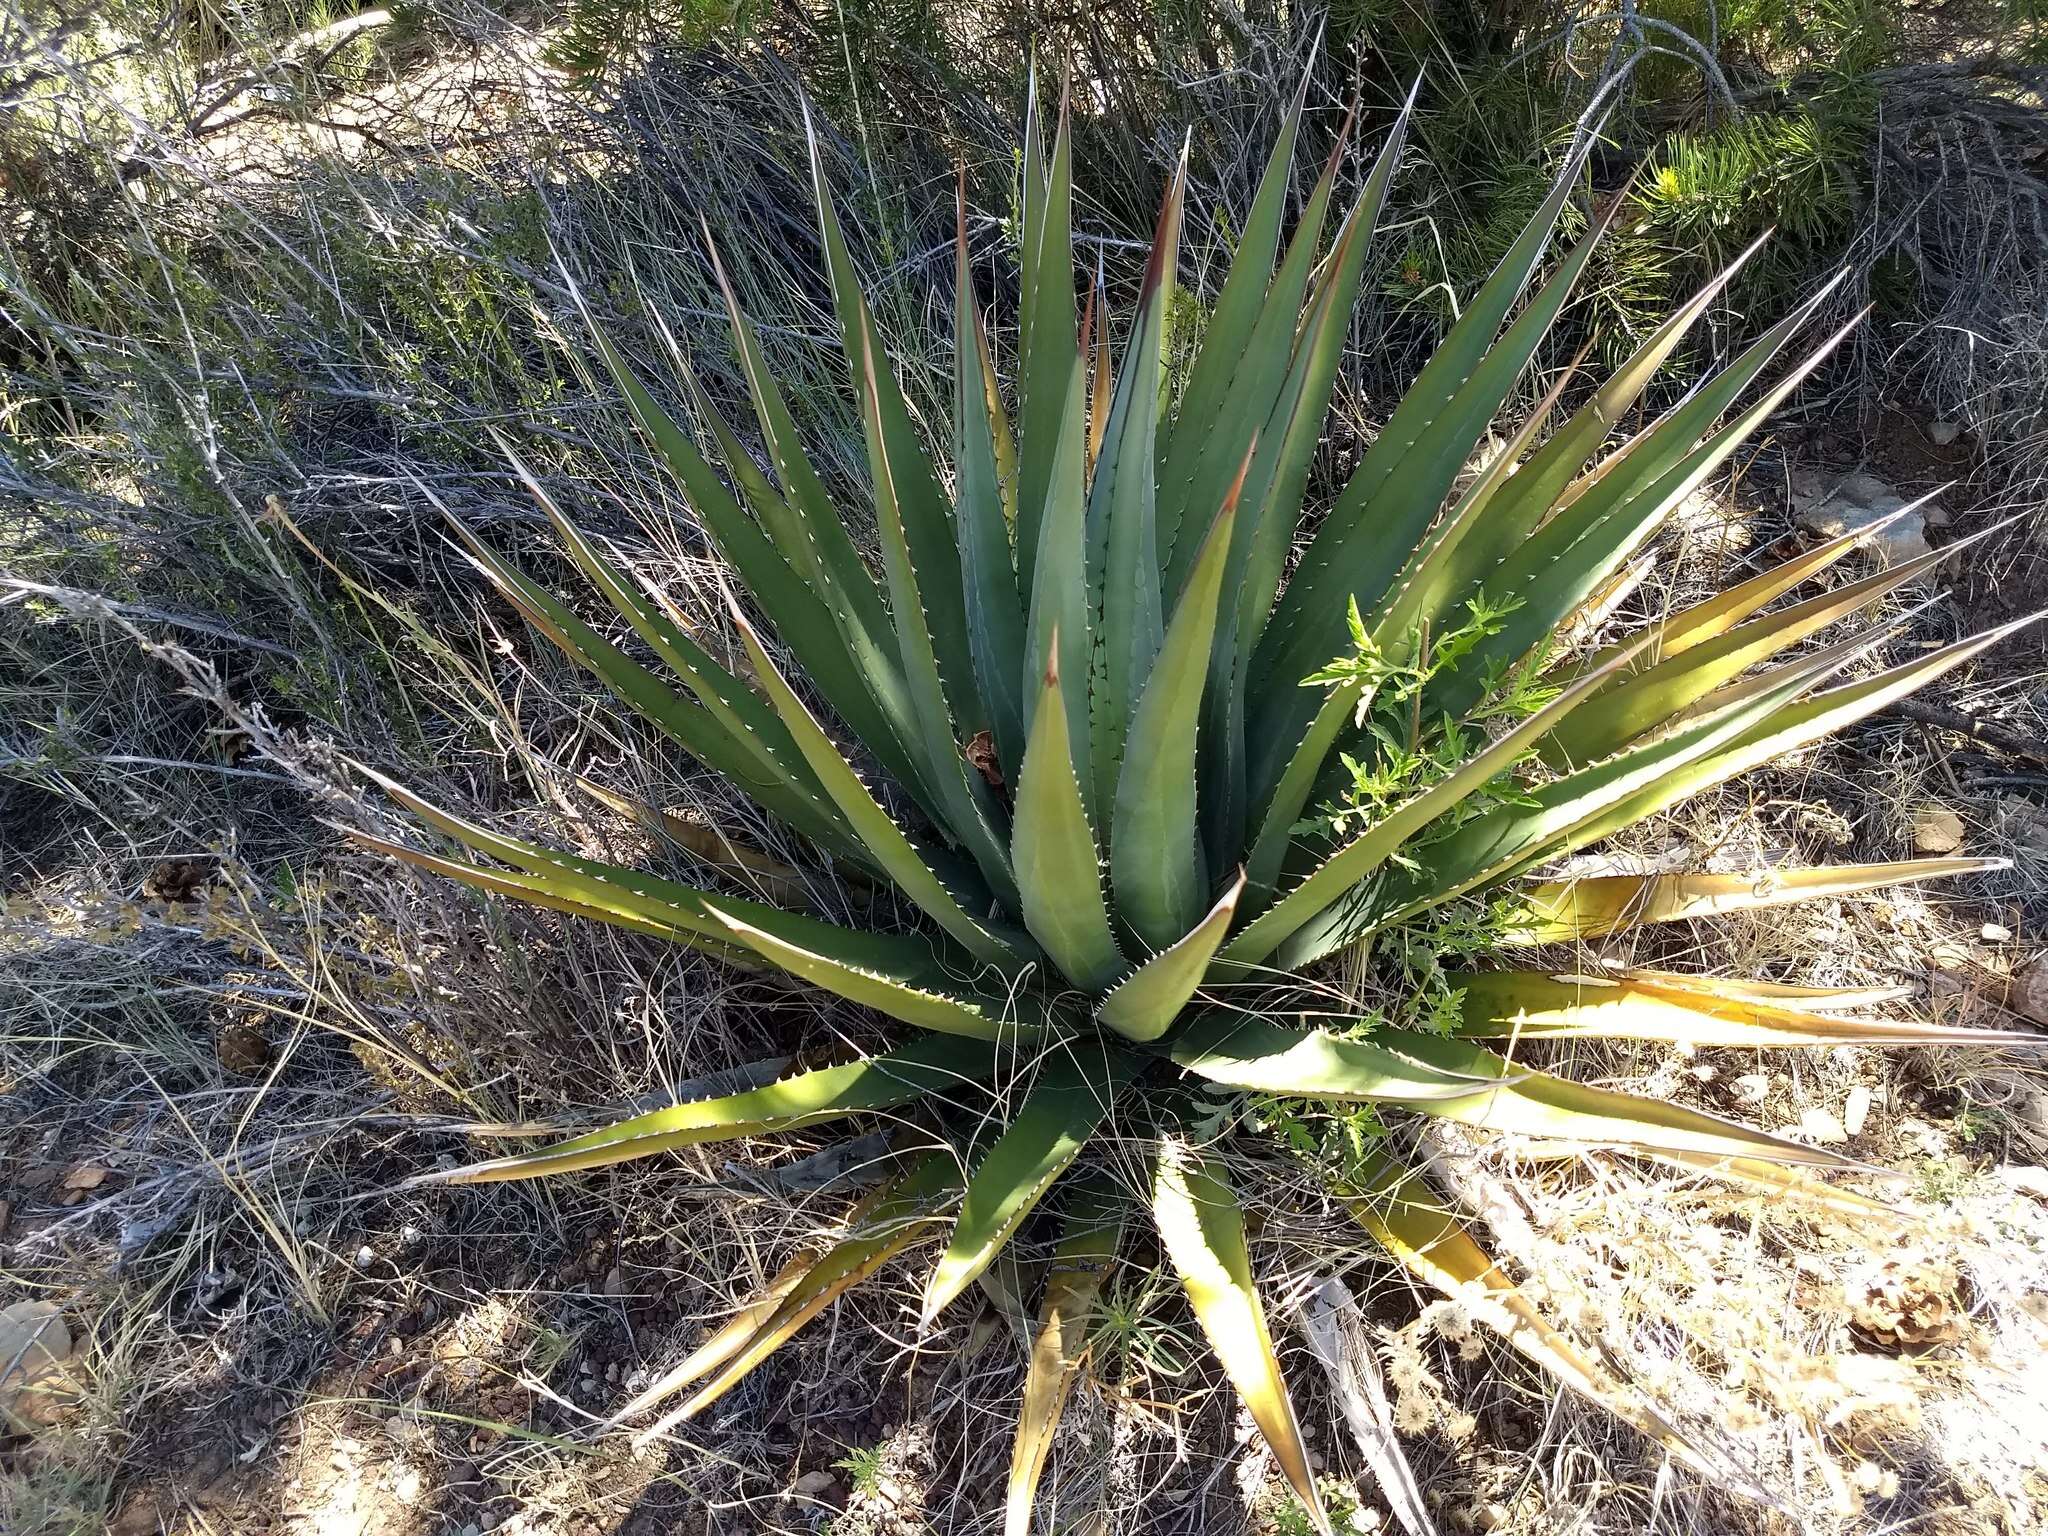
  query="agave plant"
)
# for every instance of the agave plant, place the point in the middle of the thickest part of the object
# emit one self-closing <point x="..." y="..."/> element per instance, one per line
<point x="1081" y="724"/>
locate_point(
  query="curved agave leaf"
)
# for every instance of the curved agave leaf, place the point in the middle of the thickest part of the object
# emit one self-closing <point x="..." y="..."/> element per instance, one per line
<point x="906" y="1212"/>
<point x="928" y="998"/>
<point x="1155" y="855"/>
<point x="988" y="574"/>
<point x="1080" y="1264"/>
<point x="1202" y="1230"/>
<point x="1048" y="361"/>
<point x="1249" y="1051"/>
<point x="1742" y="989"/>
<point x="939" y="1064"/>
<point x="1534" y="1006"/>
<point x="910" y="868"/>
<point x="1074" y="1091"/>
<point x="1059" y="873"/>
<point x="1144" y="1005"/>
<point x="729" y="1339"/>
<point x="1558" y="911"/>
<point x="1405" y="1216"/>
<point x="1123" y="532"/>
<point x="962" y="797"/>
<point x="1537" y="1104"/>
<point x="769" y="878"/>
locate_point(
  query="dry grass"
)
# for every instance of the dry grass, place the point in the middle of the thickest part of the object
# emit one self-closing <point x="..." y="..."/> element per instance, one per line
<point x="212" y="1101"/>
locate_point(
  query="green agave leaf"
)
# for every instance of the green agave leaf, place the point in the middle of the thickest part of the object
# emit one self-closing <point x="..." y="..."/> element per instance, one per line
<point x="1240" y="304"/>
<point x="1533" y="1005"/>
<point x="912" y="870"/>
<point x="1504" y="509"/>
<point x="1123" y="563"/>
<point x="988" y="575"/>
<point x="962" y="796"/>
<point x="856" y="679"/>
<point x="929" y="998"/>
<point x="1537" y="1104"/>
<point x="1252" y="1053"/>
<point x="717" y="737"/>
<point x="539" y="892"/>
<point x="937" y="1064"/>
<point x="1087" y="1248"/>
<point x="1048" y="362"/>
<point x="1059" y="873"/>
<point x="920" y="504"/>
<point x="1155" y="856"/>
<point x="1404" y="1215"/>
<point x="1401" y="483"/>
<point x="1202" y="1229"/>
<point x="1059" y="608"/>
<point x="1272" y="363"/>
<point x="1145" y="1004"/>
<point x="1075" y="1090"/>
<point x="768" y="878"/>
<point x="906" y="1213"/>
<point x="627" y="897"/>
<point x="1559" y="911"/>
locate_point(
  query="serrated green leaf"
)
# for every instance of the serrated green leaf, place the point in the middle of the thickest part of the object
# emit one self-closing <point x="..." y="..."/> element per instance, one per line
<point x="1059" y="872"/>
<point x="935" y="1064"/>
<point x="1253" y="1053"/>
<point x="1145" y="1004"/>
<point x="1156" y="861"/>
<point x="920" y="503"/>
<point x="916" y="872"/>
<point x="965" y="807"/>
<point x="1122" y="529"/>
<point x="928" y="997"/>
<point x="988" y="574"/>
<point x="1075" y="1090"/>
<point x="1048" y="359"/>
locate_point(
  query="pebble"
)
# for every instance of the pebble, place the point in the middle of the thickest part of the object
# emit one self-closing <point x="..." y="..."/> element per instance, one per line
<point x="1996" y="933"/>
<point x="1822" y="1127"/>
<point x="1752" y="1087"/>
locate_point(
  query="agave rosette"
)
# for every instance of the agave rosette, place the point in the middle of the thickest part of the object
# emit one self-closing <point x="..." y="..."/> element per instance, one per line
<point x="1064" y="715"/>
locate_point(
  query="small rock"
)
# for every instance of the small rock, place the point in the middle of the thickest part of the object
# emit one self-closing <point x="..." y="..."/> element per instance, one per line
<point x="1829" y="507"/>
<point x="1752" y="1087"/>
<point x="1937" y="829"/>
<point x="615" y="1281"/>
<point x="1996" y="933"/>
<point x="814" y="1484"/>
<point x="1822" y="1127"/>
<point x="1942" y="433"/>
<point x="2028" y="995"/>
<point x="1856" y="1111"/>
<point x="34" y="1344"/>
